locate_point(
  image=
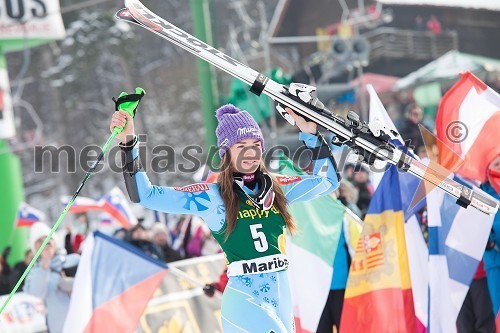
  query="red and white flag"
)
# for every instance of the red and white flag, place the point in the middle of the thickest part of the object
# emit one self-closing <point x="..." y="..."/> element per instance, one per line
<point x="81" y="204"/>
<point x="468" y="122"/>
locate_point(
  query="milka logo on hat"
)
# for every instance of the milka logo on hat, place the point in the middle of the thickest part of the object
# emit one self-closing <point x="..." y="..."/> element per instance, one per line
<point x="246" y="130"/>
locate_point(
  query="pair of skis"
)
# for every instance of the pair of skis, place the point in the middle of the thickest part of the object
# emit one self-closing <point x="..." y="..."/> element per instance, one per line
<point x="370" y="141"/>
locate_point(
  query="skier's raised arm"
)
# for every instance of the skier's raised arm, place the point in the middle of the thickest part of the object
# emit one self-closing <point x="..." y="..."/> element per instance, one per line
<point x="196" y="199"/>
<point x="324" y="179"/>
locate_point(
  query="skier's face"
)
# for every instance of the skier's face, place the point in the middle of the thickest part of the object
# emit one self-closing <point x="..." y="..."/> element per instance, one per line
<point x="246" y="155"/>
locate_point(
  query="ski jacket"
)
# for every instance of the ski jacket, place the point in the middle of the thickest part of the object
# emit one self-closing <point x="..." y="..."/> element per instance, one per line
<point x="256" y="239"/>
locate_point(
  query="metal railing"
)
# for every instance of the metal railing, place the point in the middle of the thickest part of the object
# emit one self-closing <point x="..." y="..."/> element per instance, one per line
<point x="392" y="43"/>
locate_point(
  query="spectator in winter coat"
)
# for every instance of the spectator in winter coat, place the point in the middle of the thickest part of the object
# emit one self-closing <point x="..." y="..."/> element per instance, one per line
<point x="409" y="129"/>
<point x="4" y="278"/>
<point x="348" y="195"/>
<point x="47" y="281"/>
<point x="139" y="238"/>
<point x="365" y="189"/>
<point x="75" y="235"/>
<point x="476" y="314"/>
<point x="160" y="238"/>
<point x="330" y="318"/>
<point x="434" y="26"/>
<point x="19" y="268"/>
<point x="492" y="254"/>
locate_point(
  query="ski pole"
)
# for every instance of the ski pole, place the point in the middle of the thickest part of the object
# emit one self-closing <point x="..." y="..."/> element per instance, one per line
<point x="185" y="276"/>
<point x="125" y="102"/>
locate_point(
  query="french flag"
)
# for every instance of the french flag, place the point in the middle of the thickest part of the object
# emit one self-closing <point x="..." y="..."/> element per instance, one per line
<point x="27" y="216"/>
<point x="115" y="283"/>
<point x="81" y="204"/>
<point x="116" y="205"/>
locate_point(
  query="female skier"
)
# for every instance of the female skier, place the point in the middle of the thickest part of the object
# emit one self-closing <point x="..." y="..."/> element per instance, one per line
<point x="246" y="210"/>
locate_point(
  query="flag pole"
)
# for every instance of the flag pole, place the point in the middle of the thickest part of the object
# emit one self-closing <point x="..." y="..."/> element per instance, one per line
<point x="180" y="274"/>
<point x="177" y="272"/>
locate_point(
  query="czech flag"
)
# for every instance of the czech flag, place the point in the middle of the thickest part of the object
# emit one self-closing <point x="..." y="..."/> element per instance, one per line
<point x="113" y="285"/>
<point x="116" y="205"/>
<point x="27" y="216"/>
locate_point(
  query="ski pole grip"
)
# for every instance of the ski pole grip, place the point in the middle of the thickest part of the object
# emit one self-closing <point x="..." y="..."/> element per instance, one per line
<point x="129" y="103"/>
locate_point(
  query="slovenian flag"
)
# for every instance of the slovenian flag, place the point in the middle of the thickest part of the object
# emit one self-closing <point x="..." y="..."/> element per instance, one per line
<point x="27" y="216"/>
<point x="113" y="285"/>
<point x="116" y="205"/>
<point x="312" y="252"/>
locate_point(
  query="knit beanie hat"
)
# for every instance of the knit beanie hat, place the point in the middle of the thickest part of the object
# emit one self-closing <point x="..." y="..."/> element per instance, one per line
<point x="235" y="125"/>
<point x="38" y="230"/>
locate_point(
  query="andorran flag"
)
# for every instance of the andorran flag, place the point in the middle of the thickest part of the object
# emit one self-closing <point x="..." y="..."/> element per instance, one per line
<point x="378" y="296"/>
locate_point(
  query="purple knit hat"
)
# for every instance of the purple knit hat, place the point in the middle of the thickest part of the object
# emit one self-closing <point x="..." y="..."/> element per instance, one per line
<point x="235" y="125"/>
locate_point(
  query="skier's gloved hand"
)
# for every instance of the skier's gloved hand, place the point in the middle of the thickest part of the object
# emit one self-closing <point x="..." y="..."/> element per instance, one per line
<point x="209" y="290"/>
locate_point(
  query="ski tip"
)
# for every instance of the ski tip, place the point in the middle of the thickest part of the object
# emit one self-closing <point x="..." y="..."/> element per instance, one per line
<point x="125" y="15"/>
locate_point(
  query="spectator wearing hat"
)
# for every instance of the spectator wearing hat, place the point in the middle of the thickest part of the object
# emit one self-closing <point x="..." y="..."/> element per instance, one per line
<point x="138" y="236"/>
<point x="47" y="280"/>
<point x="160" y="237"/>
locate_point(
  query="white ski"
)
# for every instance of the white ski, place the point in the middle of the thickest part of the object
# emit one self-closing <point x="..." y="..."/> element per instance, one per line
<point x="370" y="141"/>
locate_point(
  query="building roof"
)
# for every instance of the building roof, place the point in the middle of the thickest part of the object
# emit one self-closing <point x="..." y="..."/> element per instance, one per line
<point x="448" y="66"/>
<point x="473" y="4"/>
